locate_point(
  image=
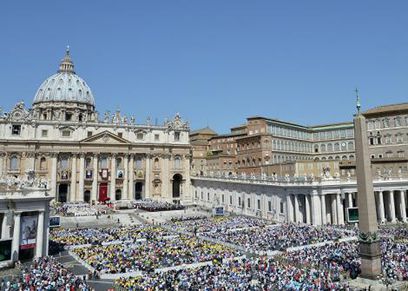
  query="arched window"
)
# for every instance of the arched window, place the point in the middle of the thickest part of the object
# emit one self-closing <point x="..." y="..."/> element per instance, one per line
<point x="43" y="164"/>
<point x="103" y="163"/>
<point x="323" y="148"/>
<point x="336" y="147"/>
<point x="329" y="147"/>
<point x="118" y="163"/>
<point x="350" y="146"/>
<point x="14" y="163"/>
<point x="88" y="164"/>
<point x="156" y="163"/>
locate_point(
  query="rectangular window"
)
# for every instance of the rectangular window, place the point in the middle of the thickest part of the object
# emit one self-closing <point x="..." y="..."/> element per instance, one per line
<point x="156" y="137"/>
<point x="177" y="136"/>
<point x="249" y="203"/>
<point x="196" y="195"/>
<point x="89" y="133"/>
<point x="139" y="136"/>
<point x="239" y="201"/>
<point x="15" y="129"/>
<point x="269" y="206"/>
<point x="222" y="198"/>
<point x="44" y="133"/>
<point x="281" y="208"/>
<point x="202" y="195"/>
<point x="230" y="199"/>
<point x="208" y="196"/>
<point x="66" y="133"/>
<point x="120" y="134"/>
<point x="259" y="204"/>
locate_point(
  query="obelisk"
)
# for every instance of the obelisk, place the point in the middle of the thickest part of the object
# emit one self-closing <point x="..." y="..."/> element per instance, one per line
<point x="369" y="243"/>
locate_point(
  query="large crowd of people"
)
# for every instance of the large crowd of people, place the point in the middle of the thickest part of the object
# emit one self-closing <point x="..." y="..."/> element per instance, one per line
<point x="44" y="274"/>
<point x="81" y="209"/>
<point x="153" y="206"/>
<point x="152" y="254"/>
<point x="82" y="236"/>
<point x="279" y="237"/>
<point x="206" y="253"/>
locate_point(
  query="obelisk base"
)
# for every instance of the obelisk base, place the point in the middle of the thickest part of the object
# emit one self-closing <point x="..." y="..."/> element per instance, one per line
<point x="370" y="254"/>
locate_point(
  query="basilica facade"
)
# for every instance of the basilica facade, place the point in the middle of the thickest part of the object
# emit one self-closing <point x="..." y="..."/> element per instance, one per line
<point x="83" y="156"/>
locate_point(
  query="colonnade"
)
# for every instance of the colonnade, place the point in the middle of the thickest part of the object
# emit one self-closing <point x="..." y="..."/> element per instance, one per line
<point x="331" y="208"/>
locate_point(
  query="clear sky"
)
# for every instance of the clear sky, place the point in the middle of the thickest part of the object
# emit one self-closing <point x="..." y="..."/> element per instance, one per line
<point x="214" y="61"/>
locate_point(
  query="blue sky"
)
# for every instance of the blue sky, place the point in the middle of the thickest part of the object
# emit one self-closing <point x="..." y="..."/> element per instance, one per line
<point x="216" y="62"/>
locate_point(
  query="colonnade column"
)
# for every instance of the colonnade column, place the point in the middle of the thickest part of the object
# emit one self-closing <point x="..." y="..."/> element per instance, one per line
<point x="113" y="178"/>
<point x="402" y="206"/>
<point x="95" y="178"/>
<point x="126" y="177"/>
<point x="72" y="195"/>
<point x="350" y="199"/>
<point x="5" y="229"/>
<point x="340" y="212"/>
<point x="392" y="206"/>
<point x="323" y="203"/>
<point x="316" y="212"/>
<point x="289" y="208"/>
<point x="40" y="235"/>
<point x="381" y="202"/>
<point x="131" y="177"/>
<point x="80" y="195"/>
<point x="16" y="237"/>
<point x="148" y="181"/>
<point x="53" y="186"/>
<point x="307" y="206"/>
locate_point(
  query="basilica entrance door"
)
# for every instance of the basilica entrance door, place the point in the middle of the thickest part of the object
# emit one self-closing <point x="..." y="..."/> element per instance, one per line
<point x="138" y="190"/>
<point x="62" y="193"/>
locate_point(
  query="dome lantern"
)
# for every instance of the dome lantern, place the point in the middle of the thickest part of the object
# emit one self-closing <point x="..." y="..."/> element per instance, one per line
<point x="66" y="63"/>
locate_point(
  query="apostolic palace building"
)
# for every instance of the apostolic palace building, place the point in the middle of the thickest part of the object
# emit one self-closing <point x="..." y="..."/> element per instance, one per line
<point x="84" y="156"/>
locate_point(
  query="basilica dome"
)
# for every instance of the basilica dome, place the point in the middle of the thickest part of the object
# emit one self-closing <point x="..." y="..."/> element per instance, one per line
<point x="65" y="86"/>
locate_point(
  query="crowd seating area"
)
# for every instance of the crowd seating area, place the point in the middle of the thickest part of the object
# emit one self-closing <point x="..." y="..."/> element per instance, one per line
<point x="153" y="206"/>
<point x="44" y="274"/>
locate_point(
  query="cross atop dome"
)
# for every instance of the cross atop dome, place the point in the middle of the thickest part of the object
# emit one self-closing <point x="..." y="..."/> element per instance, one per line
<point x="66" y="64"/>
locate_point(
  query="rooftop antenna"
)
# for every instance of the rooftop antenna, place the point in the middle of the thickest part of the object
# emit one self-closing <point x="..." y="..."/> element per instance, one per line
<point x="358" y="104"/>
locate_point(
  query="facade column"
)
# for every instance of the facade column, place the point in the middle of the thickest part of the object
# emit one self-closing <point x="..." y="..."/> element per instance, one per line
<point x="307" y="206"/>
<point x="5" y="229"/>
<point x="340" y="211"/>
<point x="316" y="212"/>
<point x="323" y="204"/>
<point x="333" y="209"/>
<point x="131" y="195"/>
<point x="53" y="186"/>
<point x="381" y="206"/>
<point x="15" y="247"/>
<point x="297" y="212"/>
<point x="94" y="179"/>
<point x="350" y="199"/>
<point x="166" y="190"/>
<point x="402" y="206"/>
<point x="40" y="235"/>
<point x="80" y="196"/>
<point x="72" y="196"/>
<point x="2" y="168"/>
<point x="126" y="177"/>
<point x="289" y="209"/>
<point x="392" y="206"/>
<point x="113" y="178"/>
<point x="148" y="181"/>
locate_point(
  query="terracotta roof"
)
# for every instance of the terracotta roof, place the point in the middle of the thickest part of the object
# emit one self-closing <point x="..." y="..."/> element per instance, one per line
<point x="205" y="130"/>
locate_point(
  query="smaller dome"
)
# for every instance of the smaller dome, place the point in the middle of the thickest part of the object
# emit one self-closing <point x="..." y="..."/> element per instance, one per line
<point x="65" y="86"/>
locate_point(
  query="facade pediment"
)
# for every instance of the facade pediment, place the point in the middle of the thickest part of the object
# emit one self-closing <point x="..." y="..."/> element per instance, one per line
<point x="105" y="137"/>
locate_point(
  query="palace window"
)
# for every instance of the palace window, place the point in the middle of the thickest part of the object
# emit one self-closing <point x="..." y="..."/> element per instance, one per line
<point x="89" y="134"/>
<point x="68" y="116"/>
<point x="120" y="134"/>
<point x="44" y="133"/>
<point x="139" y="136"/>
<point x="16" y="129"/>
<point x="14" y="163"/>
<point x="156" y="137"/>
<point x="66" y="133"/>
